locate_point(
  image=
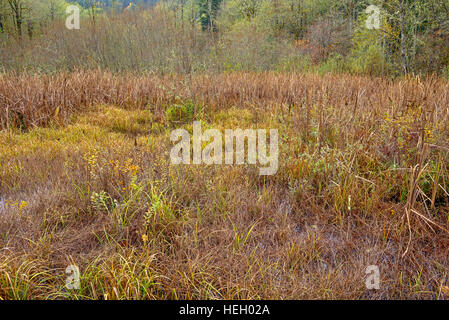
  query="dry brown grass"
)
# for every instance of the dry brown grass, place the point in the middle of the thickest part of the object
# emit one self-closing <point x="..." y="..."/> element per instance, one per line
<point x="363" y="180"/>
<point x="38" y="98"/>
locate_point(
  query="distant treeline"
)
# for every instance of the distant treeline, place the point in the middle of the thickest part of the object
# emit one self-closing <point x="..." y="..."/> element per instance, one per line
<point x="410" y="36"/>
<point x="114" y="3"/>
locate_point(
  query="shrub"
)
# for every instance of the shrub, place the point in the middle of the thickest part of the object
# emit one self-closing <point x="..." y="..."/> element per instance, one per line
<point x="334" y="64"/>
<point x="181" y="112"/>
<point x="296" y="63"/>
<point x="367" y="60"/>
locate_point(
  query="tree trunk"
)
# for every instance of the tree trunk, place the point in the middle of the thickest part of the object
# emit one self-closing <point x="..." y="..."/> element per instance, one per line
<point x="17" y="13"/>
<point x="183" y="3"/>
<point x="402" y="14"/>
<point x="30" y="29"/>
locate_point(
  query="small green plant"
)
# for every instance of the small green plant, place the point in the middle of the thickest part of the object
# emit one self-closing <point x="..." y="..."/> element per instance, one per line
<point x="241" y="238"/>
<point x="161" y="213"/>
<point x="103" y="201"/>
<point x="180" y="113"/>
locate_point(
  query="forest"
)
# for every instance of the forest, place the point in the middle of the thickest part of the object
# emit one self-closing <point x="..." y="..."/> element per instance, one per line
<point x="189" y="36"/>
